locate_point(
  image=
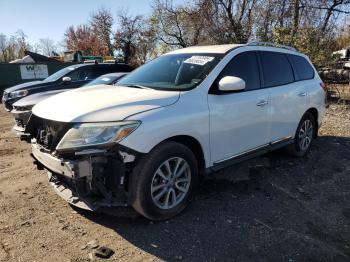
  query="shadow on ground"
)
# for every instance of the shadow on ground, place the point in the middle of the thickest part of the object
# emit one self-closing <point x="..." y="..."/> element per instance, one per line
<point x="273" y="208"/>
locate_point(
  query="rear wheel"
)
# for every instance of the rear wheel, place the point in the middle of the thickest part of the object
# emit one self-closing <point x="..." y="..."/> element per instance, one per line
<point x="165" y="181"/>
<point x="304" y="136"/>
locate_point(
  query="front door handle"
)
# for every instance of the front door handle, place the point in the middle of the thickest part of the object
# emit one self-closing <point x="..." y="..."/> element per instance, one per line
<point x="262" y="103"/>
<point x="301" y="94"/>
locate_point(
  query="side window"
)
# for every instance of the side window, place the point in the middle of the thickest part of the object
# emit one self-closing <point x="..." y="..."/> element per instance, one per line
<point x="80" y="74"/>
<point x="100" y="70"/>
<point x="302" y="67"/>
<point x="277" y="69"/>
<point x="244" y="66"/>
<point x="86" y="73"/>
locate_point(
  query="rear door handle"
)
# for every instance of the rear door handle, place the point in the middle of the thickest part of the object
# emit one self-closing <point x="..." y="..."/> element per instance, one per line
<point x="301" y="94"/>
<point x="262" y="103"/>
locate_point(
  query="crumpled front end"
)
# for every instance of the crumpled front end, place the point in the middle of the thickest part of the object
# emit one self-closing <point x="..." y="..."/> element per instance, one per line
<point x="90" y="178"/>
<point x="21" y="115"/>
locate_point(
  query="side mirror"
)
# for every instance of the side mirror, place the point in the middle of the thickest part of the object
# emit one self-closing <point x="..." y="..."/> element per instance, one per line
<point x="231" y="83"/>
<point x="66" y="79"/>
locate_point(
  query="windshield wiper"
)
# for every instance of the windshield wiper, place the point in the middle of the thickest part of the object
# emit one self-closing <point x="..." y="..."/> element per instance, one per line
<point x="138" y="86"/>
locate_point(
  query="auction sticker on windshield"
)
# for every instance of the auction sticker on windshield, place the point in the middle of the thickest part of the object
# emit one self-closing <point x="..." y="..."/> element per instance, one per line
<point x="199" y="60"/>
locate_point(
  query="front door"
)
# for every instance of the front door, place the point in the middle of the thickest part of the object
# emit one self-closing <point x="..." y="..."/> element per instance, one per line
<point x="238" y="120"/>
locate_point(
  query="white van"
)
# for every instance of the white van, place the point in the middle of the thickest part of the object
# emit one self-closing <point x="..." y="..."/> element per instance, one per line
<point x="190" y="112"/>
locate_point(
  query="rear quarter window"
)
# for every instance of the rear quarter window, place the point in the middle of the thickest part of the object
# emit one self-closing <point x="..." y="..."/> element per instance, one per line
<point x="302" y="68"/>
<point x="277" y="69"/>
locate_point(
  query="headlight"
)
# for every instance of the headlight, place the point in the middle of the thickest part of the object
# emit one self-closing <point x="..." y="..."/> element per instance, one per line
<point x="16" y="94"/>
<point x="94" y="134"/>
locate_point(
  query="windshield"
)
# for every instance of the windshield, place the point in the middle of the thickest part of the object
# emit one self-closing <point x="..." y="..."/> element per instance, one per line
<point x="173" y="72"/>
<point x="102" y="80"/>
<point x="59" y="74"/>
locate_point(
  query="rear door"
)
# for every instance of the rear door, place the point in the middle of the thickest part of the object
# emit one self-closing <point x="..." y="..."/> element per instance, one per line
<point x="238" y="120"/>
<point x="97" y="71"/>
<point x="288" y="97"/>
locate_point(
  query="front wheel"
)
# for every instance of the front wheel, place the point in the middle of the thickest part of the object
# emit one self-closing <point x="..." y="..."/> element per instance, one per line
<point x="165" y="181"/>
<point x="304" y="136"/>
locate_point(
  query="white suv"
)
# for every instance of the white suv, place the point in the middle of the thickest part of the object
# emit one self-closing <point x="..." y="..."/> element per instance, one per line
<point x="190" y="112"/>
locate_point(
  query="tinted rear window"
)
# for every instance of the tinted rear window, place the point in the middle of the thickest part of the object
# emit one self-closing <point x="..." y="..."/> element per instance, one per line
<point x="99" y="70"/>
<point x="277" y="69"/>
<point x="302" y="67"/>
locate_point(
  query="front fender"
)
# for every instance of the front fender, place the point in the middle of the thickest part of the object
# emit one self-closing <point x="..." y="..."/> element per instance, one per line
<point x="181" y="119"/>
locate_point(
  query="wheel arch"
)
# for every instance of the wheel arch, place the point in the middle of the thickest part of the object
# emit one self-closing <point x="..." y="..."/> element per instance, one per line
<point x="314" y="113"/>
<point x="194" y="145"/>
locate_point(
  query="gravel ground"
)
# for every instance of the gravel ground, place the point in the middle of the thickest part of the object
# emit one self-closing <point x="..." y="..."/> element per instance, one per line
<point x="273" y="208"/>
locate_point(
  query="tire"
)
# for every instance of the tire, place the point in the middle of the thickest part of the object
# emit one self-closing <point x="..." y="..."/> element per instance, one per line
<point x="153" y="185"/>
<point x="303" y="140"/>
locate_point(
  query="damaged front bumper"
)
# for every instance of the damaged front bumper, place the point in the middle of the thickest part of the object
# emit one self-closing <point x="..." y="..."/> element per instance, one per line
<point x="90" y="179"/>
<point x="21" y="119"/>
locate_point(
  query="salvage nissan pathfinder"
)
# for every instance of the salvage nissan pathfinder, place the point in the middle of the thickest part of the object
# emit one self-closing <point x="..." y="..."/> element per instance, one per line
<point x="190" y="112"/>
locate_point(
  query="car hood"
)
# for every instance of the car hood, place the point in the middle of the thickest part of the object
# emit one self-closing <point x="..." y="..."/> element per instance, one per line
<point x="102" y="103"/>
<point x="24" y="86"/>
<point x="36" y="98"/>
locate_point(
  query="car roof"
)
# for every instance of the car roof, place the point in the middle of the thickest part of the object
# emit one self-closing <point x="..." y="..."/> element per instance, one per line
<point x="113" y="74"/>
<point x="75" y="66"/>
<point x="220" y="49"/>
<point x="223" y="49"/>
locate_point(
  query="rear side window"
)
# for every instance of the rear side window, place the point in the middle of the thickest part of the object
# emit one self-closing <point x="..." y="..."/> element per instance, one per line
<point x="101" y="70"/>
<point x="244" y="66"/>
<point x="302" y="67"/>
<point x="122" y="68"/>
<point x="277" y="69"/>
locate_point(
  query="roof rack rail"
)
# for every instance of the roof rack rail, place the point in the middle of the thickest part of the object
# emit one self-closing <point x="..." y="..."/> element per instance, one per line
<point x="257" y="43"/>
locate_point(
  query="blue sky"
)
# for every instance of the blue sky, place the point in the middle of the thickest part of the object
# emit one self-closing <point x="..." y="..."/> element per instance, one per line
<point x="50" y="18"/>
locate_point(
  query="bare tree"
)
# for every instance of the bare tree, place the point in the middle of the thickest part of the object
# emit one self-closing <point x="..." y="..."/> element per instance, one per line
<point x="22" y="45"/>
<point x="179" y="25"/>
<point x="101" y="22"/>
<point x="296" y="10"/>
<point x="13" y="47"/>
<point x="47" y="46"/>
<point x="135" y="39"/>
<point x="3" y="47"/>
<point x="127" y="35"/>
<point x="309" y="25"/>
<point x="235" y="19"/>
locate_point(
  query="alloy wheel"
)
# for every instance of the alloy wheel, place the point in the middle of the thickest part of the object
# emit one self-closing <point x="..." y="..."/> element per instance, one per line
<point x="305" y="135"/>
<point x="171" y="183"/>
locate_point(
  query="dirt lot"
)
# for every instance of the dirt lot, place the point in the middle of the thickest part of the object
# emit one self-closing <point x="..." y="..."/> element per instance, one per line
<point x="274" y="208"/>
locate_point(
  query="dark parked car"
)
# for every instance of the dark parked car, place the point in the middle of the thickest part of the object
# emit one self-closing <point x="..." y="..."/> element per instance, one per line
<point x="22" y="109"/>
<point x="107" y="79"/>
<point x="67" y="78"/>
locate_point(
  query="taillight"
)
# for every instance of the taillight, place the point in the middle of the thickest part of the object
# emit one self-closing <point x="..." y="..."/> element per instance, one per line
<point x="324" y="86"/>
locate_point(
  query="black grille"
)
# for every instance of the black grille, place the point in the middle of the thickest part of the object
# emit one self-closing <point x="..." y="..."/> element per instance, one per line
<point x="47" y="133"/>
<point x="19" y="122"/>
<point x="23" y="108"/>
